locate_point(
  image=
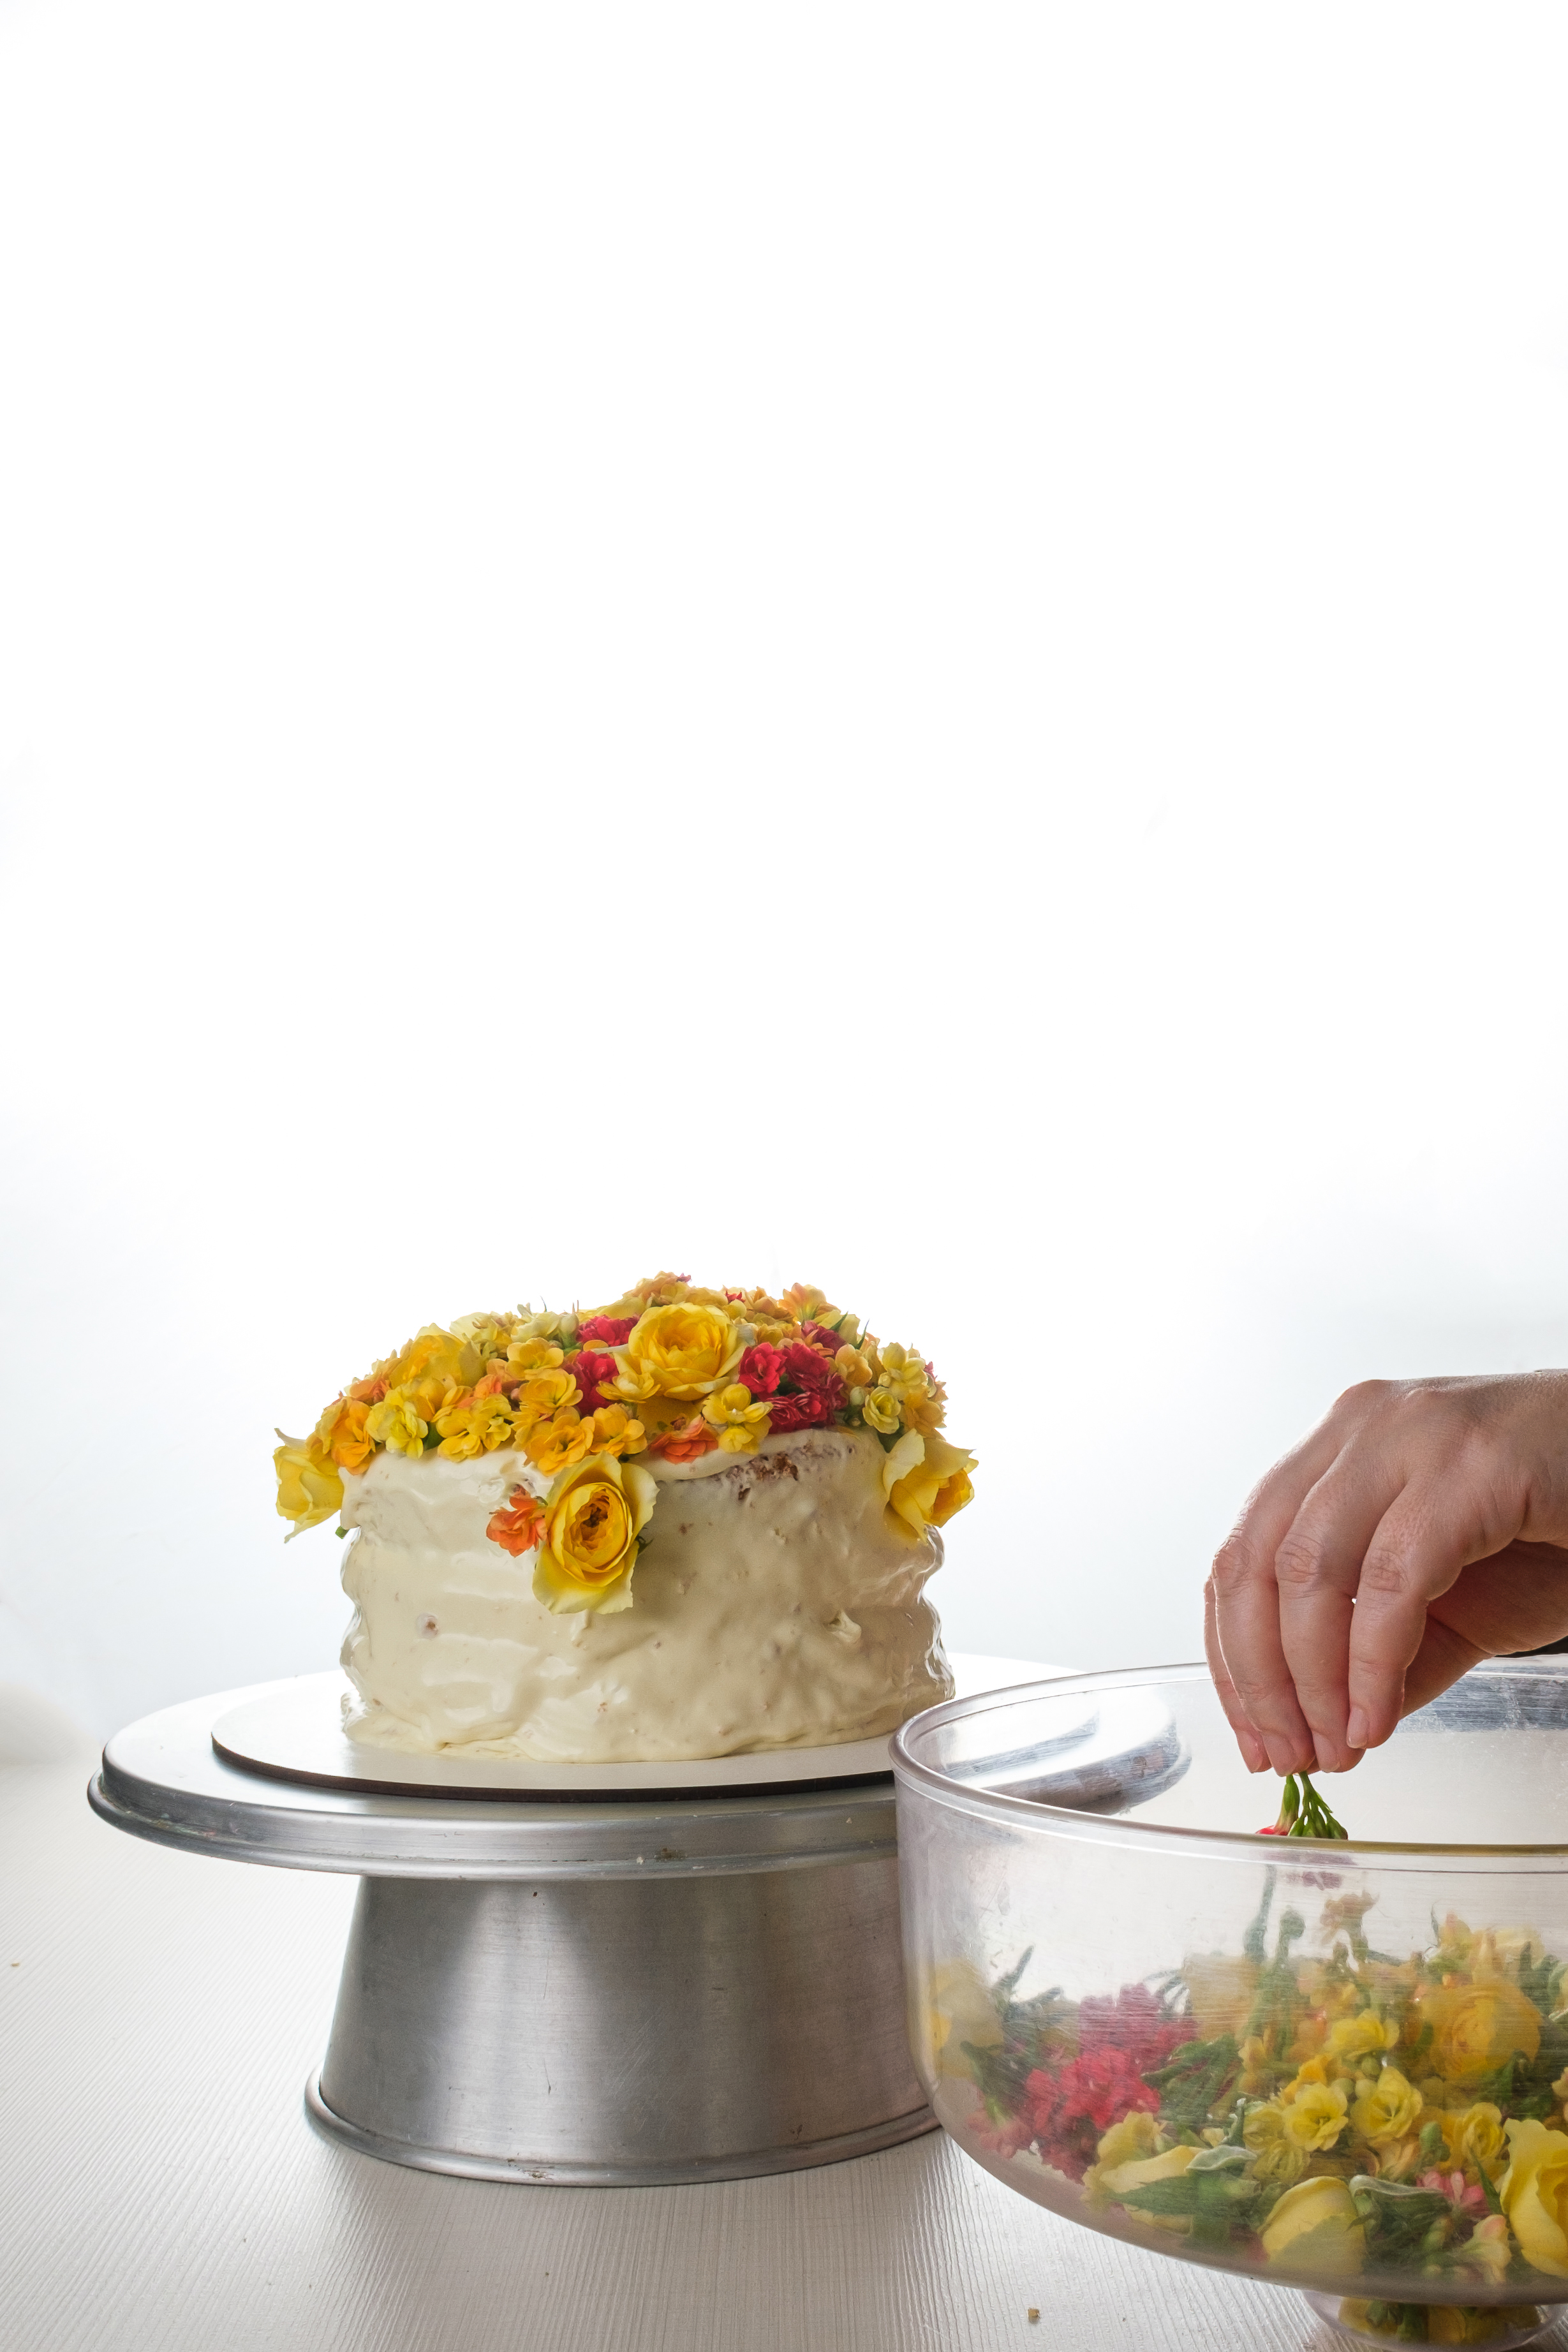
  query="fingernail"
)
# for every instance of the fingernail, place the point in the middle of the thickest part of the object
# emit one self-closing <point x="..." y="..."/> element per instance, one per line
<point x="1356" y="1728"/>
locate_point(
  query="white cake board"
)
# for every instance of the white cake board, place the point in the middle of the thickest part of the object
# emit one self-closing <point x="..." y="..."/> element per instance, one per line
<point x="295" y="1733"/>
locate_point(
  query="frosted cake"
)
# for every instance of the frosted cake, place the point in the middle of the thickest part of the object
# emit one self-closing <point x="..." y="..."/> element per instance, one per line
<point x="692" y="1523"/>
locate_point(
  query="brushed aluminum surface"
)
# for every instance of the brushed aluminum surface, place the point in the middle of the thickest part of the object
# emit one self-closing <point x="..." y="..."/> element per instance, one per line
<point x="621" y="2030"/>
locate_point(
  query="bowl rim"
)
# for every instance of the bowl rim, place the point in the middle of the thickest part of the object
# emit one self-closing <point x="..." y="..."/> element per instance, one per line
<point x="1170" y="1837"/>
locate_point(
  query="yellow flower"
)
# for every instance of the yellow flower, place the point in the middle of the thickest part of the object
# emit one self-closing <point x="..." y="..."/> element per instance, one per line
<point x="958" y="2008"/>
<point x="1313" y="2114"/>
<point x="1388" y="2110"/>
<point x="1279" y="2158"/>
<point x="434" y="1354"/>
<point x="741" y="1419"/>
<point x="474" y="1428"/>
<point x="808" y="1305"/>
<point x="488" y="1333"/>
<point x="879" y="1409"/>
<point x="678" y="1350"/>
<point x="395" y="1423"/>
<point x="309" y="1488"/>
<point x="1503" y="1951"/>
<point x="1221" y="1986"/>
<point x="925" y="1410"/>
<point x="615" y="1430"/>
<point x="1115" y="2181"/>
<point x="1131" y="2141"/>
<point x="1315" y="2226"/>
<point x="852" y="1367"/>
<point x="1533" y="2193"/>
<point x="341" y="1432"/>
<point x="1350" y="2038"/>
<point x="902" y="1369"/>
<point x="542" y="1397"/>
<point x="553" y="1446"/>
<point x="925" y="1481"/>
<point x="593" y="1515"/>
<point x="1475" y="2138"/>
<point x="525" y="1356"/>
<point x="1476" y="2027"/>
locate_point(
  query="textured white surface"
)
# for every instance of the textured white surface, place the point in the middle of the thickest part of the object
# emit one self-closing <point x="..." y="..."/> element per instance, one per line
<point x="163" y="2193"/>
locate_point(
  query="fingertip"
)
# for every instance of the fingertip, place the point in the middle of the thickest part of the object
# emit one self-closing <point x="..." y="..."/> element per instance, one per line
<point x="1358" y="1730"/>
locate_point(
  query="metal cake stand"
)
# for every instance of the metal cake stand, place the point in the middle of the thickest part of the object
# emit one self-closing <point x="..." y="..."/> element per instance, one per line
<point x="613" y="1990"/>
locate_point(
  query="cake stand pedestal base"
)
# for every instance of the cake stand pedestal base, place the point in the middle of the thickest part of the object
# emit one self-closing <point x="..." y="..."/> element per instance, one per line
<point x="623" y="2031"/>
<point x="1499" y="2328"/>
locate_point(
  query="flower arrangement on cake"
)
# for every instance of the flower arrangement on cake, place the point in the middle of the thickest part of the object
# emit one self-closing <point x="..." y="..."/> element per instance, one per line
<point x="587" y="1398"/>
<point x="1321" y="2117"/>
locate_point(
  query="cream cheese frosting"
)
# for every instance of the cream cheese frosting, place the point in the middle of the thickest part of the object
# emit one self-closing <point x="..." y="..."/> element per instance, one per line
<point x="772" y="1608"/>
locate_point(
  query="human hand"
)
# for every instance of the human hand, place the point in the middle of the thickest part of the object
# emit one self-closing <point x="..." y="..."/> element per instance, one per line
<point x="1422" y="1527"/>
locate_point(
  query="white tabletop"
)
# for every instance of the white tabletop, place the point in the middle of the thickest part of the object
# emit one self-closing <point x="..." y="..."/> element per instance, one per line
<point x="163" y="2192"/>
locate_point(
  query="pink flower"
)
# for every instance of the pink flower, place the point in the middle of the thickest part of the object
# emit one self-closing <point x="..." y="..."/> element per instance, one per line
<point x="588" y="1370"/>
<point x="1463" y="2196"/>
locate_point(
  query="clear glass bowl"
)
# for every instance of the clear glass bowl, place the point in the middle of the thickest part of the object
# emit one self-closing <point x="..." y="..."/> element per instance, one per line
<point x="1296" y="2059"/>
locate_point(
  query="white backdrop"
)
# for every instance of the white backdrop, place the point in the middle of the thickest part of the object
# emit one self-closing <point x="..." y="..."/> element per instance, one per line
<point x="918" y="647"/>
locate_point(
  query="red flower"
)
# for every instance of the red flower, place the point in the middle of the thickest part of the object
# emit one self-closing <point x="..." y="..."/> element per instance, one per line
<point x="1133" y="2025"/>
<point x="821" y="1336"/>
<point x="803" y="1367"/>
<point x="806" y="1410"/>
<point x="609" y="1330"/>
<point x="588" y="1370"/>
<point x="1071" y="2110"/>
<point x="759" y="1367"/>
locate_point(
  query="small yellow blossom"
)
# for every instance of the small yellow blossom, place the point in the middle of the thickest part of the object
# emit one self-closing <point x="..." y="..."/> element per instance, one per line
<point x="1475" y="2138"/>
<point x="474" y="1428"/>
<point x="741" y="1419"/>
<point x="881" y="1410"/>
<point x="853" y="1369"/>
<point x="1313" y="2114"/>
<point x="1133" y="2139"/>
<point x="1364" y="2036"/>
<point x="1279" y="2158"/>
<point x="395" y="1423"/>
<point x="1388" y="2110"/>
<point x="543" y="1396"/>
<point x="554" y="1444"/>
<point x="526" y="1356"/>
<point x="615" y="1433"/>
<point x="808" y="1305"/>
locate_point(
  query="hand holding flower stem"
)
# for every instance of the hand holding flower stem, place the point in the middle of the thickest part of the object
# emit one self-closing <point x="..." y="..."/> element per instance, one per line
<point x="1302" y="1813"/>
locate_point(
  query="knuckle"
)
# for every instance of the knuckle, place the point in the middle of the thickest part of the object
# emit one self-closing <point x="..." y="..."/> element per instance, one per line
<point x="1234" y="1564"/>
<point x="1384" y="1576"/>
<point x="1299" y="1563"/>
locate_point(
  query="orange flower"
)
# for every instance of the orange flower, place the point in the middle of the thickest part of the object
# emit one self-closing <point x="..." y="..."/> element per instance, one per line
<point x="518" y="1528"/>
<point x="688" y="1442"/>
<point x="352" y="1447"/>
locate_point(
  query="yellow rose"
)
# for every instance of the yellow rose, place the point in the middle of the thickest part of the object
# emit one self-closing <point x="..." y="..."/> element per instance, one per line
<point x="1352" y="2038"/>
<point x="1534" y="2194"/>
<point x="396" y="1423"/>
<point x="1476" y="2027"/>
<point x="1221" y="1987"/>
<point x="1315" y="2226"/>
<point x="741" y="1419"/>
<point x="593" y="1515"/>
<point x="1314" y="2115"/>
<point x="309" y="1488"/>
<point x="474" y="1428"/>
<point x="879" y="1409"/>
<point x="925" y="1481"/>
<point x="1388" y="2110"/>
<point x="438" y="1355"/>
<point x="958" y="2009"/>
<point x="680" y="1351"/>
<point x="1475" y="2138"/>
<point x="1113" y="2182"/>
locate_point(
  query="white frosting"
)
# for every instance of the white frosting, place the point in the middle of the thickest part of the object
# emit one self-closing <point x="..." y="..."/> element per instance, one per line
<point x="770" y="1609"/>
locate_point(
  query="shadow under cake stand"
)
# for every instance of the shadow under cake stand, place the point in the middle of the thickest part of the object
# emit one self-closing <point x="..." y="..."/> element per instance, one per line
<point x="608" y="1975"/>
